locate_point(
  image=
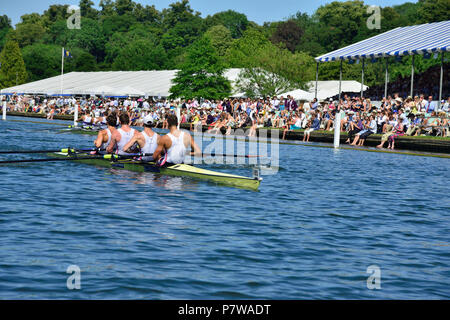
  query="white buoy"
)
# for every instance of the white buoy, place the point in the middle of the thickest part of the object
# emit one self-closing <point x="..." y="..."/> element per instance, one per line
<point x="337" y="130"/>
<point x="4" y="110"/>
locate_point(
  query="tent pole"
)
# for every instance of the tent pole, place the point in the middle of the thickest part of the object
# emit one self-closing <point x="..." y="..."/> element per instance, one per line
<point x="362" y="77"/>
<point x="340" y="82"/>
<point x="386" y="79"/>
<point x="441" y="81"/>
<point x="75" y="115"/>
<point x="317" y="77"/>
<point x="412" y="78"/>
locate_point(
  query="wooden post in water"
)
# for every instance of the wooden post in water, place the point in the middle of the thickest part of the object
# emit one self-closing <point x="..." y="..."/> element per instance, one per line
<point x="75" y="115"/>
<point x="337" y="130"/>
<point x="4" y="110"/>
<point x="4" y="105"/>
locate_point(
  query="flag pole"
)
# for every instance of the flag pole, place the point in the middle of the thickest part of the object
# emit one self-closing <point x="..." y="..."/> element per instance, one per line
<point x="62" y="70"/>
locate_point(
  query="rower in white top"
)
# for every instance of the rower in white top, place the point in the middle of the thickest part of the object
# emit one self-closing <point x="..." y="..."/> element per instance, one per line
<point x="86" y="119"/>
<point x="121" y="137"/>
<point x="104" y="137"/>
<point x="175" y="144"/>
<point x="147" y="140"/>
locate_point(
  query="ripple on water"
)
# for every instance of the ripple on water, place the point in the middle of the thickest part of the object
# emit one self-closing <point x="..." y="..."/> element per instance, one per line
<point x="311" y="231"/>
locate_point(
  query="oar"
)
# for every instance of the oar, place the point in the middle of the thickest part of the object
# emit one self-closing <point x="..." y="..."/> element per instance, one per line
<point x="230" y="155"/>
<point x="45" y="151"/>
<point x="106" y="157"/>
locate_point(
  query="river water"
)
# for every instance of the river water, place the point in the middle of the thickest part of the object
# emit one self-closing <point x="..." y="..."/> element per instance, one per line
<point x="311" y="232"/>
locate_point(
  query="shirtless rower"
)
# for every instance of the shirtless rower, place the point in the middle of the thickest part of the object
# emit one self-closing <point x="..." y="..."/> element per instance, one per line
<point x="121" y="137"/>
<point x="176" y="144"/>
<point x="147" y="140"/>
<point x="104" y="136"/>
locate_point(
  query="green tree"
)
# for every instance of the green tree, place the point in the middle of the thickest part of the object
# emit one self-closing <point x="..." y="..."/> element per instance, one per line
<point x="81" y="61"/>
<point x="27" y="33"/>
<point x="289" y="34"/>
<point x="181" y="25"/>
<point x="140" y="55"/>
<point x="201" y="76"/>
<point x="42" y="61"/>
<point x="242" y="50"/>
<point x="147" y="14"/>
<point x="234" y="21"/>
<point x="107" y="8"/>
<point x="12" y="70"/>
<point x="55" y="13"/>
<point x="220" y="38"/>
<point x="86" y="9"/>
<point x="340" y="23"/>
<point x="434" y="10"/>
<point x="310" y="41"/>
<point x="5" y="27"/>
<point x="120" y="40"/>
<point x="274" y="71"/>
<point x="88" y="38"/>
<point x="124" y="7"/>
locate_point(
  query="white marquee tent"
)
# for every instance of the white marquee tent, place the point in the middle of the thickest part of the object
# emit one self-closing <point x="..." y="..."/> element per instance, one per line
<point x="299" y="95"/>
<point x="328" y="89"/>
<point x="110" y="83"/>
<point x="325" y="90"/>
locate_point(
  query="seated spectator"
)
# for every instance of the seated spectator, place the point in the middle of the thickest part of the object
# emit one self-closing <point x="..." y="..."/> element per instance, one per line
<point x="431" y="125"/>
<point x="355" y="127"/>
<point x="416" y="122"/>
<point x="314" y="125"/>
<point x="370" y="128"/>
<point x="397" y="132"/>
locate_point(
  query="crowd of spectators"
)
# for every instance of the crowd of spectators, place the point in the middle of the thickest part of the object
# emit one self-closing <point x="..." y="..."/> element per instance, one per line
<point x="428" y="82"/>
<point x="360" y="117"/>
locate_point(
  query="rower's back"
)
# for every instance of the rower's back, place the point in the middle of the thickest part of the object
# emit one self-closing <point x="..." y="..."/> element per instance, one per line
<point x="177" y="152"/>
<point x="126" y="133"/>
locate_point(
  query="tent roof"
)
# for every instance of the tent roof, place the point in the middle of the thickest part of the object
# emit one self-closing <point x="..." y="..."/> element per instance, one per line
<point x="328" y="89"/>
<point x="114" y="83"/>
<point x="300" y="95"/>
<point x="418" y="39"/>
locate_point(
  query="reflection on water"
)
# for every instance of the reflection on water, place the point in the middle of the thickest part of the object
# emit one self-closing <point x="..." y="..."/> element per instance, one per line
<point x="155" y="180"/>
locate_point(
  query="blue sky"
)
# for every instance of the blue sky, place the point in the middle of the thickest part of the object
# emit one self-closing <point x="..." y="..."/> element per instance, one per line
<point x="256" y="10"/>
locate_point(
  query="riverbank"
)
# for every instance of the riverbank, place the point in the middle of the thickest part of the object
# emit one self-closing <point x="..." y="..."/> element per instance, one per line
<point x="422" y="143"/>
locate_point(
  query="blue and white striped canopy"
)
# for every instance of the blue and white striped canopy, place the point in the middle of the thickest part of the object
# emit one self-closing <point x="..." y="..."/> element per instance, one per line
<point x="419" y="39"/>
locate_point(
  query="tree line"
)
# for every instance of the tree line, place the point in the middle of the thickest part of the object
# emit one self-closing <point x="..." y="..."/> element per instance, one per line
<point x="123" y="35"/>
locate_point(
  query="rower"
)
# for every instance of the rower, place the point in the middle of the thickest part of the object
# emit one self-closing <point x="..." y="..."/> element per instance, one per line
<point x="147" y="140"/>
<point x="101" y="122"/>
<point x="104" y="137"/>
<point x="122" y="136"/>
<point x="175" y="144"/>
<point x="86" y="119"/>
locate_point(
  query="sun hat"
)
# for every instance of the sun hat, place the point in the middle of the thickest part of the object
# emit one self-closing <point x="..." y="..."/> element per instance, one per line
<point x="148" y="121"/>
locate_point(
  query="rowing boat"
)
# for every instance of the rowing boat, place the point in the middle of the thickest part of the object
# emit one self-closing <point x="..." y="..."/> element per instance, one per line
<point x="180" y="170"/>
<point x="80" y="130"/>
